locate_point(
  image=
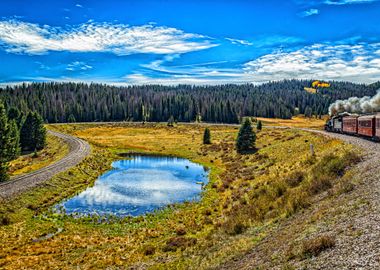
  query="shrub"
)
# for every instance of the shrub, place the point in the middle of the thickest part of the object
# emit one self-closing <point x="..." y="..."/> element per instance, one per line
<point x="311" y="160"/>
<point x="351" y="158"/>
<point x="4" y="220"/>
<point x="179" y="242"/>
<point x="149" y="250"/>
<point x="313" y="247"/>
<point x="207" y="136"/>
<point x="239" y="228"/>
<point x="295" y="178"/>
<point x="234" y="227"/>
<point x="279" y="188"/>
<point x="334" y="165"/>
<point x="296" y="201"/>
<point x="170" y="122"/>
<point x="236" y="222"/>
<point x="259" y="125"/>
<point x="345" y="187"/>
<point x="320" y="183"/>
<point x="180" y="231"/>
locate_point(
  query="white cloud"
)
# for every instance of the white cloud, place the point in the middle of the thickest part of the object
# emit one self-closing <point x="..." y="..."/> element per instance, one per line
<point x="309" y="3"/>
<point x="78" y="65"/>
<point x="239" y="41"/>
<point x="79" y="5"/>
<point x="205" y="79"/>
<point x="309" y="12"/>
<point x="121" y="39"/>
<point x="358" y="63"/>
<point x="347" y="2"/>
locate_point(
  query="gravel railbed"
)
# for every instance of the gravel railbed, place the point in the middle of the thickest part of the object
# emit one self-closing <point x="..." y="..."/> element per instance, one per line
<point x="78" y="150"/>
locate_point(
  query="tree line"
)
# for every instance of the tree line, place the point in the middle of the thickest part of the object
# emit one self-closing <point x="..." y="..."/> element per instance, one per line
<point x="17" y="134"/>
<point x="79" y="102"/>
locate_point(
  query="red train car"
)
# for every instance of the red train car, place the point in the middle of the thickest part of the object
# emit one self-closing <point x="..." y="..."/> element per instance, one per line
<point x="367" y="126"/>
<point x="350" y="124"/>
<point x="377" y="127"/>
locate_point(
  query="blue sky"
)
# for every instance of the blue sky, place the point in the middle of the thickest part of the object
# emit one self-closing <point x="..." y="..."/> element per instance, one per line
<point x="194" y="42"/>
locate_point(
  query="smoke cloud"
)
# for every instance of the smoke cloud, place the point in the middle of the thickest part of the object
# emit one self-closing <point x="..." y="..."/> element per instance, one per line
<point x="356" y="105"/>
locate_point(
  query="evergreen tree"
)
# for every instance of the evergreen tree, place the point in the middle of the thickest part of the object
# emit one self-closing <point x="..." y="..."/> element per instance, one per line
<point x="246" y="138"/>
<point x="14" y="146"/>
<point x="33" y="133"/>
<point x="259" y="125"/>
<point x="171" y="121"/>
<point x="55" y="102"/>
<point x="26" y="133"/>
<point x="198" y="118"/>
<point x="5" y="144"/>
<point x="308" y="112"/>
<point x="15" y="114"/>
<point x="71" y="119"/>
<point x="207" y="136"/>
<point x="39" y="132"/>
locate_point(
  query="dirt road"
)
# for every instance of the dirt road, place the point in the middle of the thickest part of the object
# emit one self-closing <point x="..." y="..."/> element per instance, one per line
<point x="79" y="149"/>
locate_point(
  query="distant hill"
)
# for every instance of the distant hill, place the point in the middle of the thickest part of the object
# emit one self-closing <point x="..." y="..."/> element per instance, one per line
<point x="63" y="102"/>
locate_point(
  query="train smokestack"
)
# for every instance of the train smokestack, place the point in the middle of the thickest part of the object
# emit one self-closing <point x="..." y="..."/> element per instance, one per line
<point x="356" y="105"/>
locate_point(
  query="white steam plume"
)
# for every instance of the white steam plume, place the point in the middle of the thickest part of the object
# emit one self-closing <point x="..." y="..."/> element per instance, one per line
<point x="356" y="105"/>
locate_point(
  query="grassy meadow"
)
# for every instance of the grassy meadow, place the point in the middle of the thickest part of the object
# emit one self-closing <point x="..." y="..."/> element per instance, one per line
<point x="247" y="196"/>
<point x="296" y="122"/>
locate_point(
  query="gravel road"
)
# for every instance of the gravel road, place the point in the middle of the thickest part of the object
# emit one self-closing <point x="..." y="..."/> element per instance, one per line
<point x="353" y="218"/>
<point x="79" y="149"/>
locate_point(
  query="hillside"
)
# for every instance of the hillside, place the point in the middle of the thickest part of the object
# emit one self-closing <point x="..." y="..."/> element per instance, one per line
<point x="338" y="231"/>
<point x="78" y="102"/>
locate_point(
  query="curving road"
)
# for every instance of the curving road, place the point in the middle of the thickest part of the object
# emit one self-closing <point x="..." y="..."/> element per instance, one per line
<point x="79" y="149"/>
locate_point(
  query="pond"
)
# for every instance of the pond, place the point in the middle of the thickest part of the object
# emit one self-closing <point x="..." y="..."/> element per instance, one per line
<point x="140" y="185"/>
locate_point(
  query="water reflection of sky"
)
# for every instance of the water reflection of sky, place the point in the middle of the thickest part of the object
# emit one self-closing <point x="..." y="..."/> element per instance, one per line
<point x="140" y="185"/>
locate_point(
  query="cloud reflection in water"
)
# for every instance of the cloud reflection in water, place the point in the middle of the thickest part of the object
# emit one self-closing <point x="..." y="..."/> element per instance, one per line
<point x="140" y="185"/>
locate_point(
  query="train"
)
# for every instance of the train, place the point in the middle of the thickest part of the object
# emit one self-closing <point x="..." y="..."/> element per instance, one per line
<point x="366" y="126"/>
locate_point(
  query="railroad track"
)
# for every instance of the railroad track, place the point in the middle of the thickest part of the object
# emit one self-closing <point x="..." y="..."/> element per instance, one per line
<point x="78" y="150"/>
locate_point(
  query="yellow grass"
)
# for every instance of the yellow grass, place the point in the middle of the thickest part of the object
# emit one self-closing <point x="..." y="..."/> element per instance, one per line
<point x="296" y="121"/>
<point x="54" y="151"/>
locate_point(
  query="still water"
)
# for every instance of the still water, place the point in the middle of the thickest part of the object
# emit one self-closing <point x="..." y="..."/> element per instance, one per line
<point x="140" y="185"/>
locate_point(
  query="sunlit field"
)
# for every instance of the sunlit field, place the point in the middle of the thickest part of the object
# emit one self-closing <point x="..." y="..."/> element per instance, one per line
<point x="296" y="121"/>
<point x="28" y="162"/>
<point x="246" y="196"/>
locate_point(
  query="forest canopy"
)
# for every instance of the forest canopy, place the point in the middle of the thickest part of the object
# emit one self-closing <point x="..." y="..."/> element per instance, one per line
<point x="80" y="102"/>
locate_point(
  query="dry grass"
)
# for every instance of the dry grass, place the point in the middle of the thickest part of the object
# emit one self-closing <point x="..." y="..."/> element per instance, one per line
<point x="313" y="247"/>
<point x="246" y="194"/>
<point x="54" y="151"/>
<point x="297" y="121"/>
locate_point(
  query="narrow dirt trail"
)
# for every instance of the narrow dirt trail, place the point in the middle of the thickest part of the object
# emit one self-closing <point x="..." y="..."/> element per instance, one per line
<point x="352" y="218"/>
<point x="79" y="149"/>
